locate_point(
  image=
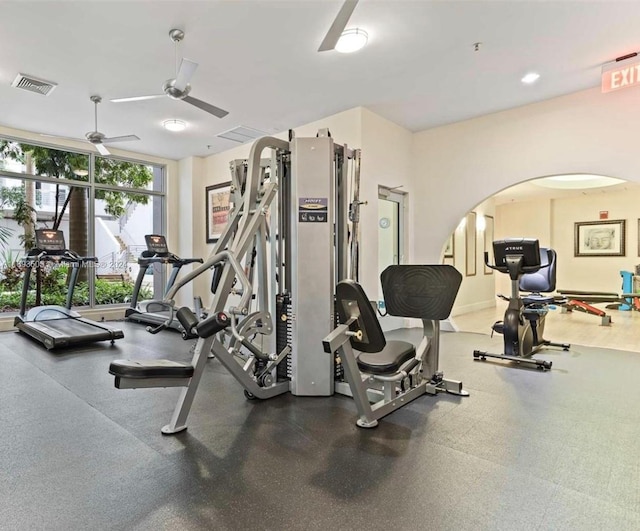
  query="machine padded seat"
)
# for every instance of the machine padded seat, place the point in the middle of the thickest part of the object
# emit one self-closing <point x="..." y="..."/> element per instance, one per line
<point x="150" y="369"/>
<point x="537" y="298"/>
<point x="388" y="360"/>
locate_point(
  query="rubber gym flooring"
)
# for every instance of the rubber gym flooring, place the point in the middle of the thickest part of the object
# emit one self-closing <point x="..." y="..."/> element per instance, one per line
<point x="526" y="451"/>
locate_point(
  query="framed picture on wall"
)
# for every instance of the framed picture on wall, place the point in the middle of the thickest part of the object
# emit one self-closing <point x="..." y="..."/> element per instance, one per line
<point x="470" y="244"/>
<point x="217" y="209"/>
<point x="599" y="238"/>
<point x="450" y="248"/>
<point x="488" y="243"/>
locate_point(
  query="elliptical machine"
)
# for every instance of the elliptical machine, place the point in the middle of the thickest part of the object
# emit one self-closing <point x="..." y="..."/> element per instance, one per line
<point x="531" y="268"/>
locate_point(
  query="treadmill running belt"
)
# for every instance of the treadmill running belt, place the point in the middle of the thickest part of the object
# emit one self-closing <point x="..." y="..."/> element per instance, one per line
<point x="55" y="333"/>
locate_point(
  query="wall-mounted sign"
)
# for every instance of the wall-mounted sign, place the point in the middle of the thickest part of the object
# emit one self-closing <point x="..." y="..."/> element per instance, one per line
<point x="621" y="74"/>
<point x="313" y="209"/>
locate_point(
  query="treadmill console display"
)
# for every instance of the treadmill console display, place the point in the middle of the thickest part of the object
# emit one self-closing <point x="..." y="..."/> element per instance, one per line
<point x="50" y="240"/>
<point x="528" y="248"/>
<point x="157" y="244"/>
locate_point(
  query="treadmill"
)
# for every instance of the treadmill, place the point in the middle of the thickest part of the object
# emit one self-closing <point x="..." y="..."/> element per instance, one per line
<point x="58" y="326"/>
<point x="156" y="313"/>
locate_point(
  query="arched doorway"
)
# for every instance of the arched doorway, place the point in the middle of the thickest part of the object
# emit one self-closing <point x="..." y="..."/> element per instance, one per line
<point x="555" y="215"/>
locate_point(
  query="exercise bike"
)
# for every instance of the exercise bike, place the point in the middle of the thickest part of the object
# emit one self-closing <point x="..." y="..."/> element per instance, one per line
<point x="532" y="269"/>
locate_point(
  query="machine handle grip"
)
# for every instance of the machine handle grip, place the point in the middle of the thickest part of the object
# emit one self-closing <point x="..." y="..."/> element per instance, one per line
<point x="155" y="330"/>
<point x="187" y="319"/>
<point x="213" y="324"/>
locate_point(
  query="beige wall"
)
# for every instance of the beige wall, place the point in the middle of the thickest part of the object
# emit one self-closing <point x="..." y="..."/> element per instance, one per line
<point x="456" y="167"/>
<point x="477" y="291"/>
<point x="386" y="160"/>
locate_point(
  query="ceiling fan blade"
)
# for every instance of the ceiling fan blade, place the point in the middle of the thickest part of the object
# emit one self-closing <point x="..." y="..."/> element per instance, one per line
<point x="137" y="98"/>
<point x="211" y="109"/>
<point x="125" y="138"/>
<point x="336" y="29"/>
<point x="187" y="69"/>
<point x="102" y="149"/>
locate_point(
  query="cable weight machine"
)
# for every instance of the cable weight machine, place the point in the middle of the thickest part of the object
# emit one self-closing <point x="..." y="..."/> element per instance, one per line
<point x="291" y="236"/>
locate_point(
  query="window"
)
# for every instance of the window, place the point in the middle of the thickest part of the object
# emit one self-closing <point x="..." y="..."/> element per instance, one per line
<point x="104" y="206"/>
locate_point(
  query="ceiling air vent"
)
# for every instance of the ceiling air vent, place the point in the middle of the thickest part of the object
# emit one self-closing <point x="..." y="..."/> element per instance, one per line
<point x="33" y="84"/>
<point x="241" y="134"/>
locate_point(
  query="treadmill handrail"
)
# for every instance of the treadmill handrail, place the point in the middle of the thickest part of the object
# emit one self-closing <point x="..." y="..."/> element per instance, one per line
<point x="220" y="257"/>
<point x="167" y="259"/>
<point x="38" y="255"/>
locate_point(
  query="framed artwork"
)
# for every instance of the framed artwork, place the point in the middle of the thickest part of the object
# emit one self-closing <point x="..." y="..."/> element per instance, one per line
<point x="470" y="244"/>
<point x="217" y="208"/>
<point x="638" y="237"/>
<point x="488" y="243"/>
<point x="599" y="238"/>
<point x="450" y="249"/>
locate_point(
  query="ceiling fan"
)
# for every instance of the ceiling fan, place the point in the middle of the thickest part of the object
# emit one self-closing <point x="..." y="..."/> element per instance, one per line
<point x="97" y="138"/>
<point x="179" y="87"/>
<point x="339" y="24"/>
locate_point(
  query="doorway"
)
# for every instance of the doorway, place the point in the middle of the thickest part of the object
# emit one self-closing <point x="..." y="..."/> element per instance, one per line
<point x="391" y="238"/>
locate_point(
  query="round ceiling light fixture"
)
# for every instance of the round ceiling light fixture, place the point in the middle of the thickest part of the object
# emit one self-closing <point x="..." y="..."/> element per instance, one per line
<point x="352" y="40"/>
<point x="530" y="78"/>
<point x="174" y="125"/>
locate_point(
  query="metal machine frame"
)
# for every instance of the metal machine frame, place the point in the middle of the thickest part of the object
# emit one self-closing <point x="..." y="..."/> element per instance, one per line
<point x="294" y="217"/>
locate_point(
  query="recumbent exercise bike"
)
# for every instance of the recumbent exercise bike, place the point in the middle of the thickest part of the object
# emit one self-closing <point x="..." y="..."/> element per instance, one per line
<point x="531" y="269"/>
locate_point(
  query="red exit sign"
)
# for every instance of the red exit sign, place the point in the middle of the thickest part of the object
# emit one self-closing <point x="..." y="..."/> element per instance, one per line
<point x="621" y="75"/>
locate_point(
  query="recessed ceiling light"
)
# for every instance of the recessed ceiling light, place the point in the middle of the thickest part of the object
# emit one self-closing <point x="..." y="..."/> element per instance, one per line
<point x="531" y="77"/>
<point x="174" y="125"/>
<point x="352" y="40"/>
<point x="577" y="181"/>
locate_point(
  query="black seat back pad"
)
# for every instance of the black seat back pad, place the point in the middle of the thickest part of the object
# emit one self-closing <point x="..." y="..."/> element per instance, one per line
<point x="352" y="301"/>
<point x="150" y="369"/>
<point x="420" y="291"/>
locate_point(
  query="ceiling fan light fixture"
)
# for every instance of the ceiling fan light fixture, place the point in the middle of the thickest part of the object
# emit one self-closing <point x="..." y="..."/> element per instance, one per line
<point x="174" y="126"/>
<point x="352" y="40"/>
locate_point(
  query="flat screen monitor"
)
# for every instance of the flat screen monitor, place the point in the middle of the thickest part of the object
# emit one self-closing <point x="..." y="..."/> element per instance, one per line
<point x="156" y="244"/>
<point x="528" y="248"/>
<point x="50" y="240"/>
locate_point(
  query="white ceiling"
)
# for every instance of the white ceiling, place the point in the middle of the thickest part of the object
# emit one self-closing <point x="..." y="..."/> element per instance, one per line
<point x="258" y="60"/>
<point x="529" y="191"/>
